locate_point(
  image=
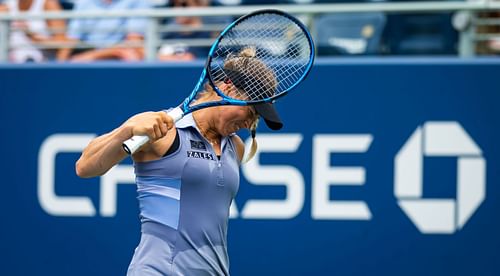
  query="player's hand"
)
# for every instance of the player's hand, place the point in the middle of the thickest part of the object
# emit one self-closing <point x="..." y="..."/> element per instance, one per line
<point x="153" y="124"/>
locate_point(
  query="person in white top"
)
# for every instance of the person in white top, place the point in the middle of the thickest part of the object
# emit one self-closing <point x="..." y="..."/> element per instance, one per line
<point x="25" y="35"/>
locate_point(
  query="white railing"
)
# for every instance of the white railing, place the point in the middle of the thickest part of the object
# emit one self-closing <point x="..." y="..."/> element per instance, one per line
<point x="466" y="11"/>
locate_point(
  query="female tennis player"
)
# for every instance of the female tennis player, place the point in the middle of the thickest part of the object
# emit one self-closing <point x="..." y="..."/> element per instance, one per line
<point x="187" y="176"/>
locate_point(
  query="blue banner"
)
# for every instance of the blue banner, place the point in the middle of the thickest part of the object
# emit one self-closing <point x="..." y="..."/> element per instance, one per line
<point x="383" y="167"/>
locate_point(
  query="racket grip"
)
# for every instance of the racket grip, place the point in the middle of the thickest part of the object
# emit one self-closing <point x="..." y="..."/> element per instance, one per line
<point x="133" y="144"/>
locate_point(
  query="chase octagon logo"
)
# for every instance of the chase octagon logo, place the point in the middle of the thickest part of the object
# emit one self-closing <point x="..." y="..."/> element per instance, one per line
<point x="439" y="139"/>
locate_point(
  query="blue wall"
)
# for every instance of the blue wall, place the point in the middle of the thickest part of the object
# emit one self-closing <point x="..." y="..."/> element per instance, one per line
<point x="373" y="105"/>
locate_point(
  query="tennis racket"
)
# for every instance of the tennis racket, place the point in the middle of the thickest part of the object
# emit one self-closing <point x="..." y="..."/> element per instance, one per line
<point x="284" y="54"/>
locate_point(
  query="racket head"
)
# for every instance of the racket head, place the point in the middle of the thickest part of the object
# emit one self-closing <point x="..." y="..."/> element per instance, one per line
<point x="261" y="56"/>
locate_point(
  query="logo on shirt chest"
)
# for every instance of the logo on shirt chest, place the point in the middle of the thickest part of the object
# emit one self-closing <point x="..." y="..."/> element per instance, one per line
<point x="200" y="155"/>
<point x="198" y="145"/>
<point x="197" y="151"/>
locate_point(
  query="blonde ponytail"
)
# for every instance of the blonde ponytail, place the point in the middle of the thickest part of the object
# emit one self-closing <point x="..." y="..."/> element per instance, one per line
<point x="253" y="147"/>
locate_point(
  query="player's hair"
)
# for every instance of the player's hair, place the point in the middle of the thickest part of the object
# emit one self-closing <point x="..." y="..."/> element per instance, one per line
<point x="248" y="73"/>
<point x="245" y="72"/>
<point x="253" y="148"/>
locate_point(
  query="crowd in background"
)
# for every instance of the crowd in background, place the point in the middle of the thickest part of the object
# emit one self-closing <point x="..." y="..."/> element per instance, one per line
<point x="91" y="39"/>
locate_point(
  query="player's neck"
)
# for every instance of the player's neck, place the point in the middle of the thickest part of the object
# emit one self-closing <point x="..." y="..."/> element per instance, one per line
<point x="206" y="129"/>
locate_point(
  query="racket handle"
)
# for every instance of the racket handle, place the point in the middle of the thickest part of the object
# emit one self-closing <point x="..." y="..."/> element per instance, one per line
<point x="133" y="144"/>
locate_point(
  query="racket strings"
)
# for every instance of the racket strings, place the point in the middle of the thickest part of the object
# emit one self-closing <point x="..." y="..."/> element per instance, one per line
<point x="282" y="55"/>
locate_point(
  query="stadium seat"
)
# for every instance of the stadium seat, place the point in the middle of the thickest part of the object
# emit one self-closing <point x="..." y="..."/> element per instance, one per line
<point x="218" y="3"/>
<point x="421" y="34"/>
<point x="66" y="4"/>
<point x="349" y="33"/>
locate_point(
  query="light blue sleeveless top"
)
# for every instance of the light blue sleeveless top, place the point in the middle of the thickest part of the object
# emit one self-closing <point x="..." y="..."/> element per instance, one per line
<point x="184" y="199"/>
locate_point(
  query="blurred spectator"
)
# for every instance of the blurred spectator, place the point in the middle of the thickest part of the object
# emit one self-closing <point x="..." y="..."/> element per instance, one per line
<point x="27" y="35"/>
<point x="182" y="51"/>
<point x="494" y="43"/>
<point x="106" y="39"/>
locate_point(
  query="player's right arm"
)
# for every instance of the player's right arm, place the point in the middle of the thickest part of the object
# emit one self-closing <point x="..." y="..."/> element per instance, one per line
<point x="105" y="151"/>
